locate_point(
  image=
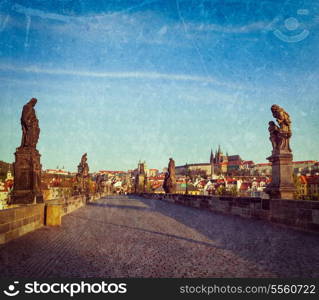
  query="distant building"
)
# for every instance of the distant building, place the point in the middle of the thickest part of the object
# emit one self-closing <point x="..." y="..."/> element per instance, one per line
<point x="219" y="163"/>
<point x="57" y="172"/>
<point x="305" y="166"/>
<point x="109" y="173"/>
<point x="4" y="191"/>
<point x="183" y="188"/>
<point x="313" y="185"/>
<point x="261" y="169"/>
<point x="206" y="167"/>
<point x="299" y="167"/>
<point x="247" y="164"/>
<point x="152" y="172"/>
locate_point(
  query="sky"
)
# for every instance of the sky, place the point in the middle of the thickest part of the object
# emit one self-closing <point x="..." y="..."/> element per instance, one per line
<point x="148" y="80"/>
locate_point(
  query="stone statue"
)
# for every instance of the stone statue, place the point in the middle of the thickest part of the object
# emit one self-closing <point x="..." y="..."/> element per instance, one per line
<point x="280" y="135"/>
<point x="169" y="184"/>
<point x="84" y="165"/>
<point x="27" y="166"/>
<point x="82" y="175"/>
<point x="30" y="125"/>
<point x="281" y="185"/>
<point x="140" y="179"/>
<point x="99" y="182"/>
<point x="274" y="132"/>
<point x="141" y="169"/>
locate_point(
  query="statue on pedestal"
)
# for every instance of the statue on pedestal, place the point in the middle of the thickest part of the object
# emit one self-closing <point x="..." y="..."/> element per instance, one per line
<point x="169" y="184"/>
<point x="82" y="175"/>
<point x="282" y="186"/>
<point x="140" y="179"/>
<point x="27" y="167"/>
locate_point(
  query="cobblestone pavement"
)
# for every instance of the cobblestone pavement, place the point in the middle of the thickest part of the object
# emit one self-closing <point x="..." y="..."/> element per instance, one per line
<point x="125" y="236"/>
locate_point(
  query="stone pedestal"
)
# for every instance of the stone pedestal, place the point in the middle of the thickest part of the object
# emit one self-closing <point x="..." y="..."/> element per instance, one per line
<point x="140" y="184"/>
<point x="53" y="214"/>
<point x="27" y="177"/>
<point x="282" y="186"/>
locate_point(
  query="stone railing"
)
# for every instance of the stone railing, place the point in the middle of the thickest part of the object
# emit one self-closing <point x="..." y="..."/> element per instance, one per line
<point x="56" y="209"/>
<point x="294" y="213"/>
<point x="19" y="220"/>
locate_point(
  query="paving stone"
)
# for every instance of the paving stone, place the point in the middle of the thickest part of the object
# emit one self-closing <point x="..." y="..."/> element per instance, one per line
<point x="126" y="236"/>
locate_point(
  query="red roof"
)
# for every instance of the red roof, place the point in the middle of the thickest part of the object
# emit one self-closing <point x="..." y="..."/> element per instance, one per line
<point x="235" y="162"/>
<point x="304" y="161"/>
<point x="245" y="186"/>
<point x="111" y="172"/>
<point x="303" y="179"/>
<point x="248" y="162"/>
<point x="313" y="179"/>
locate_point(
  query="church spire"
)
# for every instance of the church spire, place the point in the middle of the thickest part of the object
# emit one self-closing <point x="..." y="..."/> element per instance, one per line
<point x="212" y="171"/>
<point x="211" y="156"/>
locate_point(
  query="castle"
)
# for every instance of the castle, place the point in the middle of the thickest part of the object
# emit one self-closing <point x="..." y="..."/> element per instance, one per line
<point x="219" y="163"/>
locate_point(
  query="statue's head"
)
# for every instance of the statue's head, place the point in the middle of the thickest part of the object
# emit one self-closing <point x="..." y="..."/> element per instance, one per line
<point x="275" y="108"/>
<point x="33" y="101"/>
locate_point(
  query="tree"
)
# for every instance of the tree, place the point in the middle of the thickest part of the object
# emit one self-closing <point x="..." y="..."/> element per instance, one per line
<point x="221" y="190"/>
<point x="298" y="194"/>
<point x="233" y="191"/>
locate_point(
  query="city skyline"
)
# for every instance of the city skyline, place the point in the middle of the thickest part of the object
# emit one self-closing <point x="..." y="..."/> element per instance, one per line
<point x="125" y="81"/>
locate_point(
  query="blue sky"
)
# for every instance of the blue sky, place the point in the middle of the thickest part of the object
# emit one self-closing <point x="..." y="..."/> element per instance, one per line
<point x="149" y="80"/>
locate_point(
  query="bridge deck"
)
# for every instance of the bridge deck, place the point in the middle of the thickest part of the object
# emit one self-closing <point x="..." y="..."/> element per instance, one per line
<point x="123" y="236"/>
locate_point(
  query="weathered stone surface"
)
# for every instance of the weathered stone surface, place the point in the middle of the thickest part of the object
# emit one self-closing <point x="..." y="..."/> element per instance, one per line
<point x="30" y="125"/>
<point x="140" y="178"/>
<point x="17" y="221"/>
<point x="315" y="216"/>
<point x="128" y="236"/>
<point x="281" y="186"/>
<point x="53" y="215"/>
<point x="297" y="214"/>
<point x="27" y="166"/>
<point x="82" y="177"/>
<point x="169" y="184"/>
<point x="27" y="177"/>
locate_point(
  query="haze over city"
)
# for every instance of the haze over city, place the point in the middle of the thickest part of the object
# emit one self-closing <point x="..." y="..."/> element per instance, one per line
<point x="151" y="80"/>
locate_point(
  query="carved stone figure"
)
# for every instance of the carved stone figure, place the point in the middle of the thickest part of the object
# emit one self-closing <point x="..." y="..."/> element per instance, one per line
<point x="99" y="180"/>
<point x="281" y="186"/>
<point x="281" y="135"/>
<point x="27" y="166"/>
<point x="140" y="179"/>
<point x="274" y="134"/>
<point x="141" y="169"/>
<point x="30" y="125"/>
<point x="169" y="184"/>
<point x="84" y="166"/>
<point x="82" y="175"/>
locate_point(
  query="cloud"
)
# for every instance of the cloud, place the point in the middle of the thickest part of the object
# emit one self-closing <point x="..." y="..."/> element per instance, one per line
<point x="253" y="27"/>
<point x="163" y="30"/>
<point x="39" y="13"/>
<point x="3" y="21"/>
<point x="244" y="29"/>
<point x="123" y="75"/>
